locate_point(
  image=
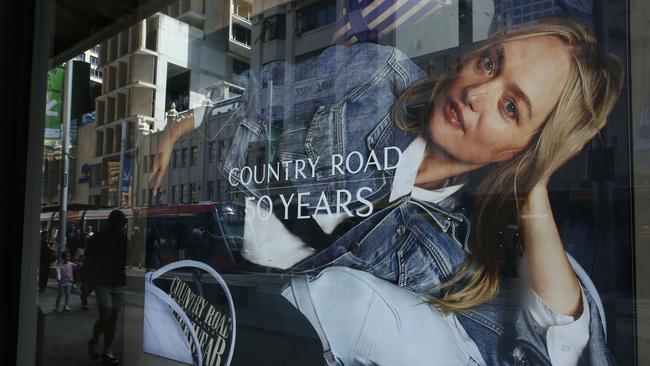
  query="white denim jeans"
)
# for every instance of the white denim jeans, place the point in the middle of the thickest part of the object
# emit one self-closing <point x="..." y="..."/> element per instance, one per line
<point x="364" y="320"/>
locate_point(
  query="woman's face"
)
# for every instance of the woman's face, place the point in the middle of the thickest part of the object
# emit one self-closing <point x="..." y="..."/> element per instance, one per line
<point x="499" y="98"/>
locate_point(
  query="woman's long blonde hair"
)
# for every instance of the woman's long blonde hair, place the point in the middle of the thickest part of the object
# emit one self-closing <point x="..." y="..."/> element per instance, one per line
<point x="593" y="87"/>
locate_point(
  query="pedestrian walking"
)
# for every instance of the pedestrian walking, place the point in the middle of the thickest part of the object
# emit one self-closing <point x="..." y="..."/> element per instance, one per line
<point x="105" y="262"/>
<point x="75" y="243"/>
<point x="65" y="276"/>
<point x="138" y="244"/>
<point x="154" y="242"/>
<point x="89" y="232"/>
<point x="48" y="254"/>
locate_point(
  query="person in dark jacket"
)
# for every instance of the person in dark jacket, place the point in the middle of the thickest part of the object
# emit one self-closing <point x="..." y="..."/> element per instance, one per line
<point x="47" y="256"/>
<point x="154" y="241"/>
<point x="105" y="262"/>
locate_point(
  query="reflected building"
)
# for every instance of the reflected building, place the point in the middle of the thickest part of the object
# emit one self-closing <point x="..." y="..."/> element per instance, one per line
<point x="193" y="172"/>
<point x="84" y="88"/>
<point x="174" y="57"/>
<point x="516" y="12"/>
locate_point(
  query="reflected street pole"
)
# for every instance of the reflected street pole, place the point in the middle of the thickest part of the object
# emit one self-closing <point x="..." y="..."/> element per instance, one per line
<point x="65" y="150"/>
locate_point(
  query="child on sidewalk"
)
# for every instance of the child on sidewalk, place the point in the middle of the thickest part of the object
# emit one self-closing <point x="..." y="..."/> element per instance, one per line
<point x="65" y="276"/>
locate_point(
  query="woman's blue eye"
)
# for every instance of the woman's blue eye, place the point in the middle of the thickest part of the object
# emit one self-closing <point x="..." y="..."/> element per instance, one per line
<point x="511" y="108"/>
<point x="488" y="63"/>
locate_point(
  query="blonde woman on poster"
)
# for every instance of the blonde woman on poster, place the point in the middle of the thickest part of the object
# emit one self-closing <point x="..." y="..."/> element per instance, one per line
<point x="372" y="143"/>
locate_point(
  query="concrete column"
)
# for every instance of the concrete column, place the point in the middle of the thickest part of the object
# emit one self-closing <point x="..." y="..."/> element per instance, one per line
<point x="161" y="89"/>
<point x="257" y="42"/>
<point x="290" y="26"/>
<point x="143" y="34"/>
<point x="107" y="131"/>
<point x="120" y="186"/>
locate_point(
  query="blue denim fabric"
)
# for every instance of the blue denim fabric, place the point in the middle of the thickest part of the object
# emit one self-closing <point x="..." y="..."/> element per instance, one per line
<point x="411" y="243"/>
<point x="340" y="102"/>
<point x="336" y="103"/>
<point x="507" y="335"/>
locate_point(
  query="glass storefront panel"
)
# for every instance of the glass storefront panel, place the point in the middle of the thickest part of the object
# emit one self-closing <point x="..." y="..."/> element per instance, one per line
<point x="347" y="183"/>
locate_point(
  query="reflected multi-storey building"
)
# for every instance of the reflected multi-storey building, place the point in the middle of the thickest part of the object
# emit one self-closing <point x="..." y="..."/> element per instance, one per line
<point x="513" y="12"/>
<point x="174" y="57"/>
<point x="86" y="83"/>
<point x="193" y="171"/>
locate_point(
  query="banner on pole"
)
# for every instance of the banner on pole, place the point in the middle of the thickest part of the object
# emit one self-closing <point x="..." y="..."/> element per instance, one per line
<point x="54" y="102"/>
<point x="126" y="173"/>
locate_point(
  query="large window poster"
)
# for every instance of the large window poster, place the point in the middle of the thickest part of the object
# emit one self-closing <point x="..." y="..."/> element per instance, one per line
<point x="396" y="202"/>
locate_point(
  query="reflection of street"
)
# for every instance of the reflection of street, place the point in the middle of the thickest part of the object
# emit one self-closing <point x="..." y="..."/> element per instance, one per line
<point x="65" y="334"/>
<point x="269" y="328"/>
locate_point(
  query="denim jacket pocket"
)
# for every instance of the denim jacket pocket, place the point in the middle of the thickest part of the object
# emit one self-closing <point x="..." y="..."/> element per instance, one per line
<point x="379" y="133"/>
<point x="422" y="268"/>
<point x="325" y="138"/>
<point x="246" y="133"/>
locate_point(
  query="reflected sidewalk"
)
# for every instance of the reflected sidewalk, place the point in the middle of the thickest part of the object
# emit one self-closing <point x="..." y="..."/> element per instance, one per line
<point x="64" y="335"/>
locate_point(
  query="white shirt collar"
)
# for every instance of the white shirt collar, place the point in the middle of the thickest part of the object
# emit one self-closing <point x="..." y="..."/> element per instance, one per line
<point x="407" y="170"/>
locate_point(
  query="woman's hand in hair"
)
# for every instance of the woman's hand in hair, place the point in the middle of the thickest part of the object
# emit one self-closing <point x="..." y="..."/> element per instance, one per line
<point x="546" y="264"/>
<point x="551" y="275"/>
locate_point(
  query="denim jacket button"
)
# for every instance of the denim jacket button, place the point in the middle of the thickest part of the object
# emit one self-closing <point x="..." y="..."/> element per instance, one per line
<point x="400" y="229"/>
<point x="411" y="281"/>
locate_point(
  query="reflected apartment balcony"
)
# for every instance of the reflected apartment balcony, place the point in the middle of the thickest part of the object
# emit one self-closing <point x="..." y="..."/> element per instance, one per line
<point x="242" y="20"/>
<point x="187" y="11"/>
<point x="239" y="42"/>
<point x="239" y="48"/>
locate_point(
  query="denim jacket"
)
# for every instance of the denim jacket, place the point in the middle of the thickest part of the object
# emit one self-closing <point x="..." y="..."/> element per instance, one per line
<point x="336" y="103"/>
<point x="340" y="102"/>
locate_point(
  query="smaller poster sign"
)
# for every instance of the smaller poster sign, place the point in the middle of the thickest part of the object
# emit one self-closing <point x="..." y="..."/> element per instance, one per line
<point x="189" y="314"/>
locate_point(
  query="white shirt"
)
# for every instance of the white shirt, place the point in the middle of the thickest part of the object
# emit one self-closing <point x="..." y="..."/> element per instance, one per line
<point x="566" y="337"/>
<point x="267" y="242"/>
<point x="406" y="172"/>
